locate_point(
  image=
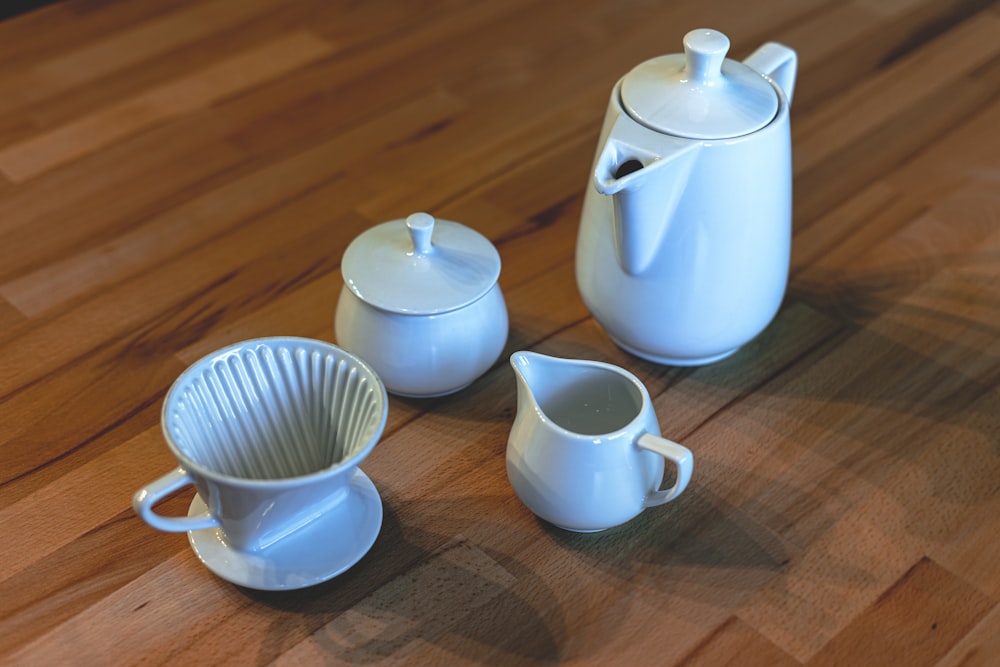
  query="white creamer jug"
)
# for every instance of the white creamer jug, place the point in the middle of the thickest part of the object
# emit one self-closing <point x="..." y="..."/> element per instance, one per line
<point x="585" y="451"/>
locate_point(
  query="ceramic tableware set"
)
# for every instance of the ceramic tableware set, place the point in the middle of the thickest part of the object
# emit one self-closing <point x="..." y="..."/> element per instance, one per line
<point x="682" y="257"/>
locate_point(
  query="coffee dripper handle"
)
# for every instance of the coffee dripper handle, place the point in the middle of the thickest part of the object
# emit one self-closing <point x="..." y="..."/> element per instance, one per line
<point x="146" y="497"/>
<point x="677" y="454"/>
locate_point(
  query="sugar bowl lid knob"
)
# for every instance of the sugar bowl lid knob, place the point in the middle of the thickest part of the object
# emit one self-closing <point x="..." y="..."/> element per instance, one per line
<point x="421" y="228"/>
<point x="420" y="265"/>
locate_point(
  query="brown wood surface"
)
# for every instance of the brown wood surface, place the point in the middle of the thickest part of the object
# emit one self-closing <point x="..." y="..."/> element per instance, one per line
<point x="176" y="175"/>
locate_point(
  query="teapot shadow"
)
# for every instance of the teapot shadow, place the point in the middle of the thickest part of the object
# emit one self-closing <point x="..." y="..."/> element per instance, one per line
<point x="708" y="546"/>
<point x="944" y="382"/>
<point x="895" y="361"/>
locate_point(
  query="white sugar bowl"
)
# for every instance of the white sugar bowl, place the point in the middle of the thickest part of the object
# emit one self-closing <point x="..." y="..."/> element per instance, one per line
<point x="421" y="304"/>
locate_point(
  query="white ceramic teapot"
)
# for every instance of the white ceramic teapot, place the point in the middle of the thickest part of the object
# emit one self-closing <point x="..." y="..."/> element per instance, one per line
<point x="685" y="238"/>
<point x="422" y="305"/>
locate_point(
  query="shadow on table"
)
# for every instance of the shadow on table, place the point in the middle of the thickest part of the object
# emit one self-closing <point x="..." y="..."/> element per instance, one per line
<point x="12" y="8"/>
<point x="902" y="376"/>
<point x="714" y="546"/>
<point x="415" y="589"/>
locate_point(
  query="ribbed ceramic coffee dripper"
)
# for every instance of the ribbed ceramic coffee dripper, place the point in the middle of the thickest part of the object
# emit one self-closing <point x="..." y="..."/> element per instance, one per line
<point x="271" y="432"/>
<point x="274" y="411"/>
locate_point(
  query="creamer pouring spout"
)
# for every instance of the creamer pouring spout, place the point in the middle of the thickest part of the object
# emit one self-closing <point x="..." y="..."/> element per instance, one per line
<point x="692" y="173"/>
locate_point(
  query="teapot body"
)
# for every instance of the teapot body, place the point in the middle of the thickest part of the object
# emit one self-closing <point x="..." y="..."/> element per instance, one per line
<point x="720" y="266"/>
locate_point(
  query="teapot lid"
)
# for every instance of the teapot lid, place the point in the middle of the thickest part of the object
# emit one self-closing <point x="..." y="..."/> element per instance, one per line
<point x="699" y="94"/>
<point x="420" y="265"/>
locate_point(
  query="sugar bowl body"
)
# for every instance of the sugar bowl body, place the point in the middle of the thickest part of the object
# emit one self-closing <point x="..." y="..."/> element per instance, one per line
<point x="421" y="304"/>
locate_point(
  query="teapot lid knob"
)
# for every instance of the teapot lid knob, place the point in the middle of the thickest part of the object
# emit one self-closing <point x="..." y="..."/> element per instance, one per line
<point x="421" y="227"/>
<point x="699" y="94"/>
<point x="704" y="52"/>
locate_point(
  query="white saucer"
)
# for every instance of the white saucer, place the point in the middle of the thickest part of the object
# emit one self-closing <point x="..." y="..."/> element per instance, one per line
<point x="325" y="548"/>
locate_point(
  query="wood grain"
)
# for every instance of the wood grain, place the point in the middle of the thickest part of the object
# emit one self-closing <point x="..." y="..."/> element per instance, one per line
<point x="177" y="175"/>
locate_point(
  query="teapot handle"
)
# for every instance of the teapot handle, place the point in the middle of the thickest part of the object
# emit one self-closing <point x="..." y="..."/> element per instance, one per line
<point x="680" y="456"/>
<point x="778" y="62"/>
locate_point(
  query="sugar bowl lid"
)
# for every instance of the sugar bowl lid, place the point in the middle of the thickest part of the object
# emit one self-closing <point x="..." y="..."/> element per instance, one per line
<point x="699" y="94"/>
<point x="420" y="265"/>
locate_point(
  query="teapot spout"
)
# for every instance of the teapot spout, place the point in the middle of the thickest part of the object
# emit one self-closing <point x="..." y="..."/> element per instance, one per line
<point x="644" y="172"/>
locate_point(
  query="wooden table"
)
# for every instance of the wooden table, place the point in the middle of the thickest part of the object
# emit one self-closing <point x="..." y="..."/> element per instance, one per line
<point x="179" y="175"/>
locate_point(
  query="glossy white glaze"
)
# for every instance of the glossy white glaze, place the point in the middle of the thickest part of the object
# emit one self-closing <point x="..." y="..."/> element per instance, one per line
<point x="699" y="94"/>
<point x="686" y="259"/>
<point x="320" y="551"/>
<point x="270" y="432"/>
<point x="420" y="265"/>
<point x="585" y="452"/>
<point x="422" y="305"/>
<point x="425" y="355"/>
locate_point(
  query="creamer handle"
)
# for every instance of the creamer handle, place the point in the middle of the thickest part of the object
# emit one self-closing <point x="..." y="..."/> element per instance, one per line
<point x="679" y="455"/>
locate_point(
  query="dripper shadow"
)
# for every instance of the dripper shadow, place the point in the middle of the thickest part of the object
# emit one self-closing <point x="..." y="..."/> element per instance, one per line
<point x="420" y="587"/>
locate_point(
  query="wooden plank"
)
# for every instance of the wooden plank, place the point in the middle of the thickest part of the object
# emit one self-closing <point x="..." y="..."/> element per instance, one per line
<point x="69" y="507"/>
<point x="735" y="643"/>
<point x="926" y="612"/>
<point x="980" y="647"/>
<point x="399" y="616"/>
<point x="156" y="36"/>
<point x="905" y="84"/>
<point x="102" y="207"/>
<point x="205" y="217"/>
<point x="56" y="588"/>
<point x="845" y="490"/>
<point x="39" y="154"/>
<point x="856" y="40"/>
<point x="10" y="317"/>
<point x="58" y="27"/>
<point x="889" y="517"/>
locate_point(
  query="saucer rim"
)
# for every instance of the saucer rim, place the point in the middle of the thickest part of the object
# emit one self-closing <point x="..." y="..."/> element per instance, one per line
<point x="213" y="552"/>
